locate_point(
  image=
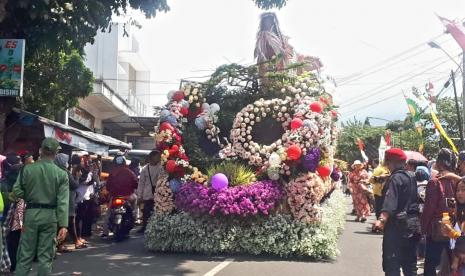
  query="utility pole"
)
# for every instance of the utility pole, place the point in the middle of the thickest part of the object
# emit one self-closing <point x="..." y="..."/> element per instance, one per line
<point x="463" y="91"/>
<point x="459" y="117"/>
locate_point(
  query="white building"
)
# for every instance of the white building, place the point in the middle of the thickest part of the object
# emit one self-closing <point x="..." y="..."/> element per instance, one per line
<point x="122" y="87"/>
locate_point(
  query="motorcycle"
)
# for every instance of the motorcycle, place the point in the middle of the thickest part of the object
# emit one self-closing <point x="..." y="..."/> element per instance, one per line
<point x="121" y="219"/>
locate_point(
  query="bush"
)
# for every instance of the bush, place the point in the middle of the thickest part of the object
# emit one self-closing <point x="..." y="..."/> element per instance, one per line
<point x="278" y="235"/>
<point x="238" y="174"/>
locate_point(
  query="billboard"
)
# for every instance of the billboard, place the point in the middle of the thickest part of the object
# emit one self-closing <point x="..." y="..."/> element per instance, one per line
<point x="11" y="67"/>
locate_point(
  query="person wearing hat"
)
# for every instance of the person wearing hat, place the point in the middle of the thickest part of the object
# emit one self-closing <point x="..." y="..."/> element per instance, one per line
<point x="358" y="180"/>
<point x="45" y="189"/>
<point x="439" y="199"/>
<point x="399" y="217"/>
<point x="380" y="174"/>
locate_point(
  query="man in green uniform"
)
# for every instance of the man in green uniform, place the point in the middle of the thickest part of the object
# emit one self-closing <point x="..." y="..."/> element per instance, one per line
<point x="44" y="187"/>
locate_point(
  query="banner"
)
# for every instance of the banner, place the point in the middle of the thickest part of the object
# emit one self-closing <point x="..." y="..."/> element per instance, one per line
<point x="11" y="67"/>
<point x="455" y="29"/>
<point x="74" y="140"/>
<point x="416" y="115"/>
<point x="383" y="147"/>
<point x="438" y="126"/>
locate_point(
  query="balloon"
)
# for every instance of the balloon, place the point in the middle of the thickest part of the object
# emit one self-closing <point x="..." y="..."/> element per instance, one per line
<point x="171" y="120"/>
<point x="185" y="103"/>
<point x="316" y="107"/>
<point x="205" y="106"/>
<point x="166" y="126"/>
<point x="200" y="123"/>
<point x="294" y="152"/>
<point x="219" y="181"/>
<point x="184" y="111"/>
<point x="296" y="123"/>
<point x="170" y="166"/>
<point x="274" y="159"/>
<point x="178" y="96"/>
<point x="214" y="107"/>
<point x="165" y="113"/>
<point x="170" y="95"/>
<point x="324" y="171"/>
<point x="175" y="184"/>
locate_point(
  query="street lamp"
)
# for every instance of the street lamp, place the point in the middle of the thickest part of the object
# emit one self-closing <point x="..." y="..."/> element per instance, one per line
<point x="434" y="45"/>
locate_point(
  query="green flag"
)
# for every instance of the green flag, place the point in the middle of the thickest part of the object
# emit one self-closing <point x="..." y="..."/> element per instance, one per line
<point x="413" y="108"/>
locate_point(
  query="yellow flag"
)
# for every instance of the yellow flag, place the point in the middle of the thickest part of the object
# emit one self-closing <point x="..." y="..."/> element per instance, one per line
<point x="438" y="126"/>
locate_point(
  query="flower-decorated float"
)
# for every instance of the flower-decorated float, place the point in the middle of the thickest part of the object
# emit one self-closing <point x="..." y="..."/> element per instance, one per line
<point x="249" y="159"/>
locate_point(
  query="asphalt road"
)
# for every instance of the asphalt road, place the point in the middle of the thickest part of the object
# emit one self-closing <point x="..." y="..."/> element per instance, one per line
<point x="360" y="256"/>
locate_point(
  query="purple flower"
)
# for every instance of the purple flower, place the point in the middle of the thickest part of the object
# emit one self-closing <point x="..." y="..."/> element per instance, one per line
<point x="311" y="159"/>
<point x="258" y="198"/>
<point x="335" y="175"/>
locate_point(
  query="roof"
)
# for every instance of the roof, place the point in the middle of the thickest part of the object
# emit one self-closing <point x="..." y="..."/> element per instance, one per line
<point x="98" y="138"/>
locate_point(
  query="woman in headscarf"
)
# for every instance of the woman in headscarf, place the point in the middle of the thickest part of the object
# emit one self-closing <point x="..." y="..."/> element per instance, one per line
<point x="358" y="180"/>
<point x="440" y="194"/>
<point x="62" y="162"/>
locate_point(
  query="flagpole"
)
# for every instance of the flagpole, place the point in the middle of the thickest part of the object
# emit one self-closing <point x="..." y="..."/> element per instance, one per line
<point x="459" y="117"/>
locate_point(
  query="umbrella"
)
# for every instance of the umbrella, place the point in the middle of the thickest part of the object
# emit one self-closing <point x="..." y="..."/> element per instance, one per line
<point x="414" y="155"/>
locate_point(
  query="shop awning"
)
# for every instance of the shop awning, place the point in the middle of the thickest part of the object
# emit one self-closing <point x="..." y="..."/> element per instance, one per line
<point x="81" y="139"/>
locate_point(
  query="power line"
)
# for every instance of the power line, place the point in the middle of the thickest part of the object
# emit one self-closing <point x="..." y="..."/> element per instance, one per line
<point x="444" y="89"/>
<point x="389" y="61"/>
<point x="382" y="88"/>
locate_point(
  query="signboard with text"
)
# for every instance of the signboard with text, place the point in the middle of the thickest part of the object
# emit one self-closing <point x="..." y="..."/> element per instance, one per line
<point x="11" y="67"/>
<point x="83" y="117"/>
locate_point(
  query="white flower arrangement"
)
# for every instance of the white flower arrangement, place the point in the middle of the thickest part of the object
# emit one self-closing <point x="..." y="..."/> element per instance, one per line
<point x="278" y="235"/>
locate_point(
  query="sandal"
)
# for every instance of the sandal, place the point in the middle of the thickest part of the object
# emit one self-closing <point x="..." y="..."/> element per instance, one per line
<point x="64" y="250"/>
<point x="80" y="246"/>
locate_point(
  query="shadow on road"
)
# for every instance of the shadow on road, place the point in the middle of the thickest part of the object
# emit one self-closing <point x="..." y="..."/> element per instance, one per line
<point x="124" y="258"/>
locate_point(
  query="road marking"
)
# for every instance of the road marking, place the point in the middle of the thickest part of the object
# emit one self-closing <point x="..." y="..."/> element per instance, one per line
<point x="219" y="267"/>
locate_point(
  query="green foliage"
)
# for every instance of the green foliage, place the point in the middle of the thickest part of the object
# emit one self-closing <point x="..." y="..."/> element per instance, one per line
<point x="54" y="82"/>
<point x="233" y="87"/>
<point x="55" y="33"/>
<point x="270" y="4"/>
<point x="237" y="173"/>
<point x="447" y="115"/>
<point x="347" y="148"/>
<point x="61" y="25"/>
<point x="278" y="235"/>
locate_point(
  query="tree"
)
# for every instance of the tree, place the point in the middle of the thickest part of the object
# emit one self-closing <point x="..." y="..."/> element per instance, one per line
<point x="56" y="32"/>
<point x="347" y="148"/>
<point x="447" y="115"/>
<point x="55" y="80"/>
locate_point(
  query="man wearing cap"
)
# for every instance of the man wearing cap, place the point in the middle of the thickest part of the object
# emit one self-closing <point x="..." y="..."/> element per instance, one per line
<point x="44" y="187"/>
<point x="399" y="217"/>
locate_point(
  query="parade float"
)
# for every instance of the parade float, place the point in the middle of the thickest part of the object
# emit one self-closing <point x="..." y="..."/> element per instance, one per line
<point x="249" y="159"/>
